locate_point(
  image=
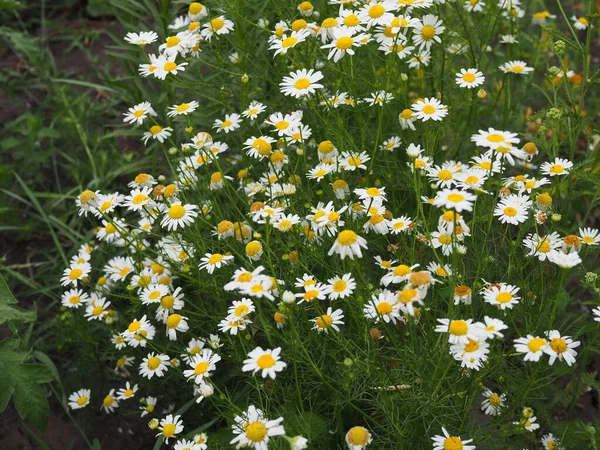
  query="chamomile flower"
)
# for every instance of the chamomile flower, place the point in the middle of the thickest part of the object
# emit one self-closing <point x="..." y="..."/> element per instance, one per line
<point x="148" y="405"/>
<point x="550" y="442"/>
<point x="492" y="403"/>
<point x="428" y="31"/>
<point x="348" y="244"/>
<point x="253" y="430"/>
<point x="176" y="323"/>
<point x="285" y="43"/>
<point x="110" y="402"/>
<point x="166" y="66"/>
<point x="158" y="133"/>
<point x="447" y="442"/>
<point x="558" y="167"/>
<point x="170" y="427"/>
<point x="76" y="272"/>
<point x="379" y="98"/>
<point x="343" y="42"/>
<point x="79" y="399"/>
<point x="218" y="26"/>
<point x="580" y="23"/>
<point x="503" y="296"/>
<point x="493" y="139"/>
<point x="331" y="319"/>
<point x="138" y="113"/>
<point x="429" y="108"/>
<point x="127" y="392"/>
<point x="253" y="110"/>
<point x="231" y="122"/>
<point x="353" y="161"/>
<point x="357" y="438"/>
<point x="179" y="216"/>
<point x="212" y="261"/>
<point x="561" y="348"/>
<point x="341" y="287"/>
<point x="268" y="362"/>
<point x="518" y="67"/>
<point x="202" y="365"/>
<point x="532" y="346"/>
<point x="455" y="199"/>
<point x="589" y="236"/>
<point x="564" y="260"/>
<point x="471" y="354"/>
<point x="383" y="307"/>
<point x="74" y="298"/>
<point x="97" y="309"/>
<point x="183" y="109"/>
<point x="301" y="83"/>
<point x="142" y="38"/>
<point x="459" y="330"/>
<point x="154" y="364"/>
<point x="469" y="78"/>
<point x="513" y="209"/>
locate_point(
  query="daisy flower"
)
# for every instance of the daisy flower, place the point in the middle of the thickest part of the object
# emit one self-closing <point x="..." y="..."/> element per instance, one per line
<point x="541" y="246"/>
<point x="182" y="109"/>
<point x="406" y="118"/>
<point x="138" y="113"/>
<point x="285" y="222"/>
<point x="580" y="23"/>
<point x="358" y="438"/>
<point x="301" y="83"/>
<point x="557" y="167"/>
<point x="331" y="319"/>
<point x="447" y="442"/>
<point x="351" y="162"/>
<point x="377" y="13"/>
<point x="341" y="287"/>
<point x="564" y="260"/>
<point x="142" y="38"/>
<point x="469" y="78"/>
<point x="127" y="392"/>
<point x="455" y="199"/>
<point x="179" y="216"/>
<point x="348" y="244"/>
<point x="461" y="331"/>
<point x="148" y="405"/>
<point x="430" y="108"/>
<point x="379" y="98"/>
<point x="267" y="361"/>
<point x="550" y="442"/>
<point x="253" y="110"/>
<point x="231" y="122"/>
<point x="503" y="296"/>
<point x="286" y="42"/>
<point x="212" y="261"/>
<point x="317" y="291"/>
<point x="284" y="125"/>
<point x="202" y="364"/>
<point x="97" y="309"/>
<point x="138" y="199"/>
<point x="154" y="364"/>
<point x="560" y="347"/>
<point x="74" y="273"/>
<point x="320" y="171"/>
<point x="428" y="31"/>
<point x="170" y="427"/>
<point x="79" y="399"/>
<point x="218" y="26"/>
<point x="533" y="347"/>
<point x="343" y="42"/>
<point x="175" y="323"/>
<point x="493" y="139"/>
<point x="513" y="209"/>
<point x="166" y="66"/>
<point x="74" y="298"/>
<point x="383" y="307"/>
<point x="472" y="354"/>
<point x="253" y="430"/>
<point x="492" y="403"/>
<point x="589" y="236"/>
<point x="519" y="67"/>
<point x="158" y="133"/>
<point x="400" y="224"/>
<point x="110" y="403"/>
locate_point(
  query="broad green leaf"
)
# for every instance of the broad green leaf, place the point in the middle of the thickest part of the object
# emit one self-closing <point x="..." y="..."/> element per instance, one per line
<point x="9" y="312"/>
<point x="22" y="381"/>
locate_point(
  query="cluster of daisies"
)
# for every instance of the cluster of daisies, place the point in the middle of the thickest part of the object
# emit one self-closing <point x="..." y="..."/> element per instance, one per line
<point x="229" y="213"/>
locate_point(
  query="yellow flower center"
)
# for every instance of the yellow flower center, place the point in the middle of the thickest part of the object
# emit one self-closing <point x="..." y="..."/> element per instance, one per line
<point x="347" y="237"/>
<point x="384" y="308"/>
<point x="339" y="286"/>
<point x="444" y="175"/>
<point x="559" y="345"/>
<point x="289" y="42"/>
<point x="428" y="32"/>
<point x="176" y="212"/>
<point x="153" y="363"/>
<point x="173" y="41"/>
<point x="407" y="295"/>
<point x="74" y="300"/>
<point x="265" y="362"/>
<point x="183" y="107"/>
<point x="406" y="114"/>
<point x="169" y="430"/>
<point x="282" y="125"/>
<point x="201" y="368"/>
<point x="458" y="327"/>
<point x="155" y="129"/>
<point x="302" y="83"/>
<point x="139" y="113"/>
<point x="241" y="310"/>
<point x="428" y="109"/>
<point x="256" y="431"/>
<point x="494" y="137"/>
<point x="453" y="443"/>
<point x="445" y="239"/>
<point x="510" y="211"/>
<point x="351" y="20"/>
<point x="536" y="344"/>
<point x="170" y="66"/>
<point x="82" y="400"/>
<point x="469" y="77"/>
<point x="504" y="297"/>
<point x="344" y="43"/>
<point x="195" y="7"/>
<point x="330" y="22"/>
<point x="358" y="436"/>
<point x="108" y="400"/>
<point x="324" y="321"/>
<point x="517" y="68"/>
<point x="173" y="321"/>
<point x="471" y="346"/>
<point x="455" y="198"/>
<point x="217" y="24"/>
<point x="375" y="12"/>
<point x="75" y="273"/>
<point x="495" y="400"/>
<point x="216" y="258"/>
<point x="557" y="168"/>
